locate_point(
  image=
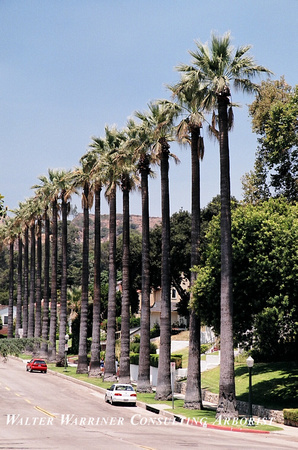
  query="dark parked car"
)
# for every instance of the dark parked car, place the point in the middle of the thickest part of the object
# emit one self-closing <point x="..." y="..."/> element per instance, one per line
<point x="37" y="364"/>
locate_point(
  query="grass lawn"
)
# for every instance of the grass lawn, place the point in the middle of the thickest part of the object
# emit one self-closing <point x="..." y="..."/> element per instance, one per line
<point x="204" y="416"/>
<point x="274" y="385"/>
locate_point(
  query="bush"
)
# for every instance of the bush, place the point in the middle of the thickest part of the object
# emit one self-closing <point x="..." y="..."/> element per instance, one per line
<point x="135" y="322"/>
<point x="155" y="331"/>
<point x="291" y="417"/>
<point x="134" y="359"/>
<point x="205" y="348"/>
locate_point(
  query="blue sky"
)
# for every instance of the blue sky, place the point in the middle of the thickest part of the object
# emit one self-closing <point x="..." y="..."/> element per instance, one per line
<point x="70" y="67"/>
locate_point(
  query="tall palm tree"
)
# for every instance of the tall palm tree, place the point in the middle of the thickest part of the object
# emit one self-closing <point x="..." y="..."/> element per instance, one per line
<point x="44" y="192"/>
<point x="54" y="191"/>
<point x="139" y="140"/>
<point x="160" y="119"/>
<point x="63" y="181"/>
<point x="37" y="327"/>
<point x="19" y="284"/>
<point x="213" y="70"/>
<point x="189" y="132"/>
<point x="10" y="235"/>
<point x="22" y="219"/>
<point x="125" y="159"/>
<point x="81" y="178"/>
<point x="106" y="147"/>
<point x="31" y="211"/>
<point x="18" y="222"/>
<point x="91" y="159"/>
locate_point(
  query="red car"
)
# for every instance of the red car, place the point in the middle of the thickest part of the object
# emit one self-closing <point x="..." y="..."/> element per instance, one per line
<point x="37" y="364"/>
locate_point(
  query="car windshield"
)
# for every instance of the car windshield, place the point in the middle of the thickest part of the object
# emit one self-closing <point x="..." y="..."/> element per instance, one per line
<point x="124" y="388"/>
<point x="39" y="361"/>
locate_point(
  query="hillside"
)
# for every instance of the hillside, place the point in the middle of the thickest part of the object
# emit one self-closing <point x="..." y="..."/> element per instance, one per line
<point x="135" y="224"/>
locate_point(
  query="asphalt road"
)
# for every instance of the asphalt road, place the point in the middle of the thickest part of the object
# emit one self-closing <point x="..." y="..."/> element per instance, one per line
<point x="43" y="411"/>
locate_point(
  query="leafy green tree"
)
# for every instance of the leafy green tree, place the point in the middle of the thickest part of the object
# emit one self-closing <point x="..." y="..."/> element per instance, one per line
<point x="274" y="118"/>
<point x="265" y="268"/>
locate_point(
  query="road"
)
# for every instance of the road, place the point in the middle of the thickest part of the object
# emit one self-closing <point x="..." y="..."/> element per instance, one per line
<point x="43" y="411"/>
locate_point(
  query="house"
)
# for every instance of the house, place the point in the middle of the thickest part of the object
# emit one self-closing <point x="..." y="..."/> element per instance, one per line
<point x="4" y="317"/>
<point x="155" y="307"/>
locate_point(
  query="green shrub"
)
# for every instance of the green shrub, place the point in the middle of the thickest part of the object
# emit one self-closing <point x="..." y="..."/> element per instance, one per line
<point x="154" y="360"/>
<point x="291" y="415"/>
<point x="155" y="331"/>
<point x="135" y="322"/>
<point x="205" y="347"/>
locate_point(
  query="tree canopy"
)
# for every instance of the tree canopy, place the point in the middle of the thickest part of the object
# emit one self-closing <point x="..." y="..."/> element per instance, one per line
<point x="274" y="115"/>
<point x="265" y="268"/>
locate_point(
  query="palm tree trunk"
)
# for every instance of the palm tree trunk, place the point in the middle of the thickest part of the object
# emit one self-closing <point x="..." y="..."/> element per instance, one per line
<point x="53" y="315"/>
<point x="82" y="360"/>
<point x="37" y="330"/>
<point x="19" y="286"/>
<point x="63" y="295"/>
<point x="46" y="290"/>
<point x="227" y="398"/>
<point x="124" y="374"/>
<point x="32" y="282"/>
<point x="193" y="396"/>
<point x="144" y="356"/>
<point x="10" y="300"/>
<point x="26" y="282"/>
<point x="95" y="346"/>
<point x="163" y="388"/>
<point x="110" y="362"/>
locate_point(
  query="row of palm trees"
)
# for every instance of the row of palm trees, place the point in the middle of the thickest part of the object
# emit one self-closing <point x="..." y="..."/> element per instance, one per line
<point x="125" y="159"/>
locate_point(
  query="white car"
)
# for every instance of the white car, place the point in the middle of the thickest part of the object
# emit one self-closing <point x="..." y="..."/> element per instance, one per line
<point x="121" y="393"/>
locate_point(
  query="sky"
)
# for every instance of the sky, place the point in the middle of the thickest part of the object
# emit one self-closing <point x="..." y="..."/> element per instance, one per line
<point x="68" y="68"/>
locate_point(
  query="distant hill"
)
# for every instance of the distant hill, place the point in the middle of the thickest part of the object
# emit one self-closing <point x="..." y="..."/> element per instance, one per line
<point x="135" y="224"/>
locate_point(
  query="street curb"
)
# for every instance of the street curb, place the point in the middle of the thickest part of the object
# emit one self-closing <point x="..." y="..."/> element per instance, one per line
<point x="155" y="410"/>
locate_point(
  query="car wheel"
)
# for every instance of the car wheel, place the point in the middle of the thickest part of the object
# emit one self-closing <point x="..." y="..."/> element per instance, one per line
<point x="106" y="399"/>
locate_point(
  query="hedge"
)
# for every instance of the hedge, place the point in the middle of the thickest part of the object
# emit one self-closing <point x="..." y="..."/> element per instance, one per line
<point x="291" y="417"/>
<point x="134" y="359"/>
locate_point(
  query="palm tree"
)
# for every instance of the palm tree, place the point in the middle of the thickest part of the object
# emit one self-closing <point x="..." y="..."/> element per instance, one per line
<point x="62" y="180"/>
<point x="189" y="131"/>
<point x="141" y="143"/>
<point x="44" y="192"/>
<point x="21" y="217"/>
<point x="81" y="178"/>
<point x="91" y="158"/>
<point x="213" y="70"/>
<point x="37" y="328"/>
<point x="160" y="120"/>
<point x="54" y="191"/>
<point x="10" y="235"/>
<point x="125" y="159"/>
<point x="31" y="211"/>
<point x="18" y="222"/>
<point x="106" y="148"/>
<point x="19" y="284"/>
